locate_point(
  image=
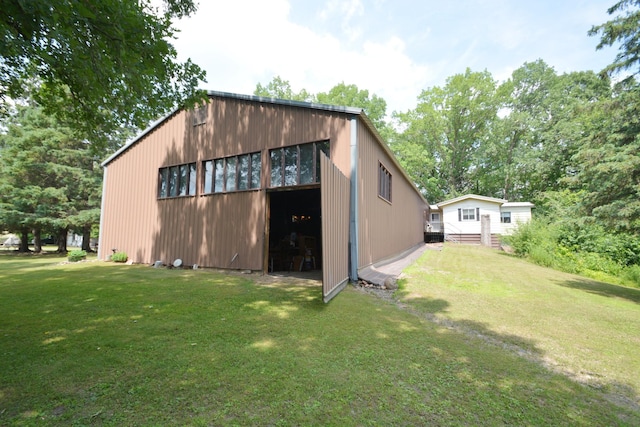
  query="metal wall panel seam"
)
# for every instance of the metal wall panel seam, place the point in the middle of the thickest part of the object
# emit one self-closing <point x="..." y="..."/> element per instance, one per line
<point x="353" y="207"/>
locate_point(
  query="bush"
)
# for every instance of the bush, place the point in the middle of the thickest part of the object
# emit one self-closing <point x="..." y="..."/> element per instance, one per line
<point x="534" y="236"/>
<point x="77" y="255"/>
<point x="632" y="274"/>
<point x="119" y="257"/>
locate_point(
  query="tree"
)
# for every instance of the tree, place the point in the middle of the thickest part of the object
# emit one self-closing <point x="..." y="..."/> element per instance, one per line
<point x="451" y="123"/>
<point x="279" y="88"/>
<point x="350" y="96"/>
<point x="511" y="153"/>
<point x="98" y="65"/>
<point x="624" y="29"/>
<point x="341" y="94"/>
<point x="49" y="181"/>
<point x="544" y="121"/>
<point x="609" y="161"/>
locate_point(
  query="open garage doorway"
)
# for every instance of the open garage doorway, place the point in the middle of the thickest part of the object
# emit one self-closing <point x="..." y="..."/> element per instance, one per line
<point x="295" y="231"/>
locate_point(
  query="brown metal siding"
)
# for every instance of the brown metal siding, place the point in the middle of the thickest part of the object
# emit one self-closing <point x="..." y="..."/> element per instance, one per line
<point x="206" y="229"/>
<point x="335" y="189"/>
<point x="385" y="229"/>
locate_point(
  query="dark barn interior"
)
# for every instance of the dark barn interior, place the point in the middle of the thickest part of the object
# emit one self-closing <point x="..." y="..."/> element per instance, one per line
<point x="295" y="230"/>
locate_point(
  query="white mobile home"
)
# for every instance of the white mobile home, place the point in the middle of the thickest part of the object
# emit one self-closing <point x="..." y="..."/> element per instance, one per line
<point x="460" y="218"/>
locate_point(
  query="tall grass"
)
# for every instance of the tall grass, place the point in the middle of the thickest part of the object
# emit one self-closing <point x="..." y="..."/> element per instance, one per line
<point x="579" y="248"/>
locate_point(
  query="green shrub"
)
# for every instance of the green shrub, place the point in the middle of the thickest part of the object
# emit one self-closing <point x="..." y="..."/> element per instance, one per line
<point x="598" y="262"/>
<point x="535" y="236"/>
<point x="632" y="274"/>
<point x="119" y="257"/>
<point x="77" y="255"/>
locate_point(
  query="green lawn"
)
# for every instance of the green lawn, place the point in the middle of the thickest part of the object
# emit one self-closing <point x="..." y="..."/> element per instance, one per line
<point x="107" y="344"/>
<point x="585" y="329"/>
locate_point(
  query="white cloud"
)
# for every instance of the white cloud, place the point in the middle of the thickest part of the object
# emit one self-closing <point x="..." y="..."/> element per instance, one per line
<point x="243" y="43"/>
<point x="346" y="11"/>
<point x="392" y="50"/>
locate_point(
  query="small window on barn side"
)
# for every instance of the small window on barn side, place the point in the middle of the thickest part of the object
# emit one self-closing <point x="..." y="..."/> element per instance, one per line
<point x="234" y="173"/>
<point x="297" y="164"/>
<point x="200" y="115"/>
<point x="384" y="182"/>
<point x="177" y="181"/>
<point x="505" y="217"/>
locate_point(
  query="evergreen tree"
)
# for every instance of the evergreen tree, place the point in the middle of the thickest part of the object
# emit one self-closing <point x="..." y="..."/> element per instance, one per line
<point x="49" y="182"/>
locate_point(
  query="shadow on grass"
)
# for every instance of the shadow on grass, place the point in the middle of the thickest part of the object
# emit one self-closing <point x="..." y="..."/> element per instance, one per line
<point x="429" y="308"/>
<point x="137" y="345"/>
<point x="13" y="261"/>
<point x="622" y="394"/>
<point x="603" y="289"/>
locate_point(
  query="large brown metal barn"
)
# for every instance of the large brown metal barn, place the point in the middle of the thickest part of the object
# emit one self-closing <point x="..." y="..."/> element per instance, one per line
<point x="261" y="184"/>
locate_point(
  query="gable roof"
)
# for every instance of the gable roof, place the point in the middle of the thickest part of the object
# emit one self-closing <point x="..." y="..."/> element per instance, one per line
<point x="355" y="111"/>
<point x="253" y="98"/>
<point x="472" y="196"/>
<point x="502" y="202"/>
<point x="518" y="205"/>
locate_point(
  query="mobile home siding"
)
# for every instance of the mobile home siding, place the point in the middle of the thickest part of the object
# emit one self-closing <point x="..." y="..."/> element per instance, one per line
<point x="208" y="230"/>
<point x="385" y="228"/>
<point x="450" y="216"/>
<point x="519" y="215"/>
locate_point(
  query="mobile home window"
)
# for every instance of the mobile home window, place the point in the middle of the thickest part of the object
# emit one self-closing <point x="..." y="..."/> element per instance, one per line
<point x="234" y="173"/>
<point x="177" y="181"/>
<point x="469" y="214"/>
<point x="505" y="217"/>
<point x="297" y="164"/>
<point x="384" y="182"/>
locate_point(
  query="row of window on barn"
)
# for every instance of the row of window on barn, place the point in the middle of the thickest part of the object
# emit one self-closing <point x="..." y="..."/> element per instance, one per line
<point x="292" y="165"/>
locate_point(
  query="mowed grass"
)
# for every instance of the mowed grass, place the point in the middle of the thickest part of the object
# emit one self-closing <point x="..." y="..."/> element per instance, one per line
<point x="586" y="329"/>
<point x="106" y="344"/>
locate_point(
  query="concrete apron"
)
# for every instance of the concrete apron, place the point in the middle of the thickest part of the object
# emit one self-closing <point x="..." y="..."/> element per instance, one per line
<point x="380" y="273"/>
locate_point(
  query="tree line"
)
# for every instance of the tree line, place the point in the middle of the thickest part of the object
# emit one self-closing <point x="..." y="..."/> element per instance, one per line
<point x="76" y="79"/>
<point x="567" y="142"/>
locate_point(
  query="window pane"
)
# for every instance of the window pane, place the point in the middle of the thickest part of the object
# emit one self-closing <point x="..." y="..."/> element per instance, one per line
<point x="231" y="173"/>
<point x="276" y="168"/>
<point x="243" y="172"/>
<point x="182" y="187"/>
<point x="306" y="164"/>
<point x="162" y="187"/>
<point x="291" y="165"/>
<point x="173" y="181"/>
<point x="321" y="147"/>
<point x="256" y="166"/>
<point x="219" y="176"/>
<point x="192" y="179"/>
<point x="389" y="186"/>
<point x="384" y="182"/>
<point x="208" y="176"/>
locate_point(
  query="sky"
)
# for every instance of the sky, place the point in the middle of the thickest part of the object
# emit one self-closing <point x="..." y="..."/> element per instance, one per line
<point x="392" y="48"/>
